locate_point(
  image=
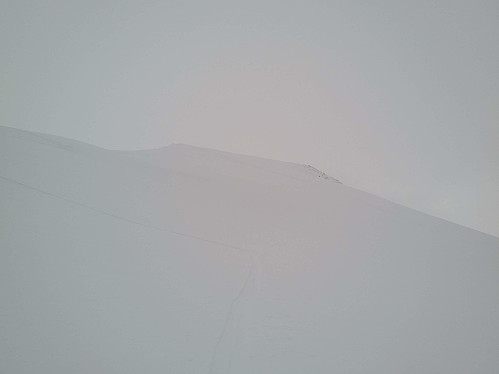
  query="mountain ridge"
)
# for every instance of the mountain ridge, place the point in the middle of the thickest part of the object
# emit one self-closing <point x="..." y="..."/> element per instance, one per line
<point x="63" y="141"/>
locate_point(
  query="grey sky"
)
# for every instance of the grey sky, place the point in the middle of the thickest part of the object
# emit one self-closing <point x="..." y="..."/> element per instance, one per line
<point x="397" y="98"/>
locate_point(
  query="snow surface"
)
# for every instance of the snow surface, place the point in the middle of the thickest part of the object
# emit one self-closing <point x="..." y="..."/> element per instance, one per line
<point x="187" y="260"/>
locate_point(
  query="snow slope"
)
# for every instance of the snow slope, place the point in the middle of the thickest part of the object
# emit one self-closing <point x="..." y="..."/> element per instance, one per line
<point x="187" y="260"/>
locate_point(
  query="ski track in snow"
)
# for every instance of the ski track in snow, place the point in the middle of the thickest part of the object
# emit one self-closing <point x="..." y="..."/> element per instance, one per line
<point x="125" y="219"/>
<point x="217" y="354"/>
<point x="231" y="319"/>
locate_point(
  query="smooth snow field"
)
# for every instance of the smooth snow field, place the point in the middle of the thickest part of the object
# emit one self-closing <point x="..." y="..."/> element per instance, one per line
<point x="187" y="260"/>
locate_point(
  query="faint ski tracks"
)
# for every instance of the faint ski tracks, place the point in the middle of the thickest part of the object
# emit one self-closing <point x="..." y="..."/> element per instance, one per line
<point x="248" y="280"/>
<point x="124" y="219"/>
<point x="229" y="317"/>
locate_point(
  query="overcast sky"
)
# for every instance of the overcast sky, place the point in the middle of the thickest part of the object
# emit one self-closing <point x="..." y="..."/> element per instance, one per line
<point x="397" y="98"/>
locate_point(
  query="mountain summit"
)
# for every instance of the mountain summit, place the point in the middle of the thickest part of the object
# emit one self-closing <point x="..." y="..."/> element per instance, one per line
<point x="188" y="260"/>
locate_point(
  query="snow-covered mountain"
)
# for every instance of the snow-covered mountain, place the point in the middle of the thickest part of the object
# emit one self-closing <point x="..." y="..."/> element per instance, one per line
<point x="187" y="260"/>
